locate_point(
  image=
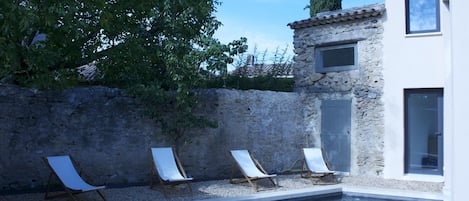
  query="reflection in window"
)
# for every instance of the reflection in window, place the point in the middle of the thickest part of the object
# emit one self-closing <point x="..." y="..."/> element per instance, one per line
<point x="422" y="16"/>
<point x="424" y="131"/>
<point x="336" y="58"/>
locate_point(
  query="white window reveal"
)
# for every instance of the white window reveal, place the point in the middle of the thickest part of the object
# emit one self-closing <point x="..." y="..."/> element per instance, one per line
<point x="336" y="58"/>
<point x="422" y="16"/>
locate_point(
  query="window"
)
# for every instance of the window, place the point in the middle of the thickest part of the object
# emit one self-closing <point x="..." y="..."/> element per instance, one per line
<point x="336" y="58"/>
<point x="422" y="16"/>
<point x="424" y="131"/>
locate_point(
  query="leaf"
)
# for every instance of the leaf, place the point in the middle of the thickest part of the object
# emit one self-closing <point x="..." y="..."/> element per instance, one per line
<point x="158" y="50"/>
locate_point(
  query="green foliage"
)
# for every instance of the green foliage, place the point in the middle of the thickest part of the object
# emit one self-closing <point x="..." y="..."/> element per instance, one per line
<point x="158" y="50"/>
<point x="255" y="71"/>
<point x="40" y="64"/>
<point x="259" y="83"/>
<point x="317" y="6"/>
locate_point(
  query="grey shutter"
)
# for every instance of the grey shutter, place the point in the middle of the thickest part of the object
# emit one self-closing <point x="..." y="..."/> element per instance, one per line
<point x="335" y="133"/>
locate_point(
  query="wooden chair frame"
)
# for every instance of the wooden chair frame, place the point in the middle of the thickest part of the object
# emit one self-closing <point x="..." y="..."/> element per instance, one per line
<point x="307" y="173"/>
<point x="68" y="191"/>
<point x="154" y="172"/>
<point x="249" y="179"/>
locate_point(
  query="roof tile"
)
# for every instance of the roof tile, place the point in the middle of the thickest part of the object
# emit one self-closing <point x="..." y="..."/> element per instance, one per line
<point x="337" y="16"/>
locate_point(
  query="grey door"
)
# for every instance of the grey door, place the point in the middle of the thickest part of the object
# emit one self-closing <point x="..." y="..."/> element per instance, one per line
<point x="335" y="133"/>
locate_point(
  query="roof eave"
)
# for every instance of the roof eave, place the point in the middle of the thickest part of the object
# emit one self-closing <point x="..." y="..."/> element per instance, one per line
<point x="352" y="14"/>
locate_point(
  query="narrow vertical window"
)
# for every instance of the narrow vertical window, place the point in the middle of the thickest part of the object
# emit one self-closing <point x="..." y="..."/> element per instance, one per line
<point x="422" y="16"/>
<point x="424" y="131"/>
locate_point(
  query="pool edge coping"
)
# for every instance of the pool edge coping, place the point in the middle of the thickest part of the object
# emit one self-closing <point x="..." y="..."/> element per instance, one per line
<point x="281" y="195"/>
<point x="382" y="193"/>
<point x="387" y="193"/>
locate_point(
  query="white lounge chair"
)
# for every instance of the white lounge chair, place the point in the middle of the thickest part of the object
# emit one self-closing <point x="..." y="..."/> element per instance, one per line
<point x="167" y="167"/>
<point x="63" y="167"/>
<point x="249" y="167"/>
<point x="316" y="165"/>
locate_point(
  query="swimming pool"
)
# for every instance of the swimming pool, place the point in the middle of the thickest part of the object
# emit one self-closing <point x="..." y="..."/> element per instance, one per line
<point x="346" y="197"/>
<point x="341" y="193"/>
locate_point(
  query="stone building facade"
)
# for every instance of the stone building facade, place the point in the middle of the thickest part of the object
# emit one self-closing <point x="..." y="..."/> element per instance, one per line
<point x="360" y="88"/>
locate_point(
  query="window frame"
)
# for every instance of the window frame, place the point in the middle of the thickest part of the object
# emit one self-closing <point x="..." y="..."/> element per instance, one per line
<point x="437" y="20"/>
<point x="319" y="64"/>
<point x="407" y="142"/>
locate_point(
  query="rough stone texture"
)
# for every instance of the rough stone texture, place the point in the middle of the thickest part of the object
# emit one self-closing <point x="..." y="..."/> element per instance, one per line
<point x="363" y="86"/>
<point x="270" y="124"/>
<point x="104" y="130"/>
<point x="107" y="133"/>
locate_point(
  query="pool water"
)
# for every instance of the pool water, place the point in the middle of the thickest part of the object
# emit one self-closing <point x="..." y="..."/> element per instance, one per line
<point x="351" y="198"/>
<point x="344" y="197"/>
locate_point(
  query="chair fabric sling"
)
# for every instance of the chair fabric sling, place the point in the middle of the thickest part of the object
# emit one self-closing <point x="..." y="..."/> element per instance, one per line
<point x="168" y="168"/>
<point x="316" y="165"/>
<point x="64" y="169"/>
<point x="249" y="167"/>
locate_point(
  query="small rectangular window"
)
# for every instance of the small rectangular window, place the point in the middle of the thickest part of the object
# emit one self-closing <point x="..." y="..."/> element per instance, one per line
<point x="422" y="16"/>
<point x="336" y="58"/>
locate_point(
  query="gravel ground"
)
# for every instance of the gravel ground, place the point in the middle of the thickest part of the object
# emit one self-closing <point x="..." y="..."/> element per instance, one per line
<point x="223" y="189"/>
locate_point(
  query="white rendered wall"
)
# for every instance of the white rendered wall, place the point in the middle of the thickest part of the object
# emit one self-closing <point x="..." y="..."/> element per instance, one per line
<point x="410" y="61"/>
<point x="459" y="98"/>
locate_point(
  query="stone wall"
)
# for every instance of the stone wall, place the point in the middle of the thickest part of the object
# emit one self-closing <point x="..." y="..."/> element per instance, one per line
<point x="364" y="86"/>
<point x="107" y="132"/>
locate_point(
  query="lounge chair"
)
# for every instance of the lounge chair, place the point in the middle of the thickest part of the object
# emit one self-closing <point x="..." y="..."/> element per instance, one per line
<point x="168" y="168"/>
<point x="316" y="166"/>
<point x="63" y="167"/>
<point x="249" y="167"/>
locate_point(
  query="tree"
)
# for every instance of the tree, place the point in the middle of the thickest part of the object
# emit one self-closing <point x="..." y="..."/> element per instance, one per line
<point x="158" y="50"/>
<point x="317" y="6"/>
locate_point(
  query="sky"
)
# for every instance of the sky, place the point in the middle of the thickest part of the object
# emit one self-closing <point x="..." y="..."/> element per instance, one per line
<point x="422" y="15"/>
<point x="264" y="22"/>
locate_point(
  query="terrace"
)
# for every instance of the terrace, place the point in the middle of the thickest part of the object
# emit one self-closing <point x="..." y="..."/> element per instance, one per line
<point x="291" y="186"/>
<point x="366" y="175"/>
